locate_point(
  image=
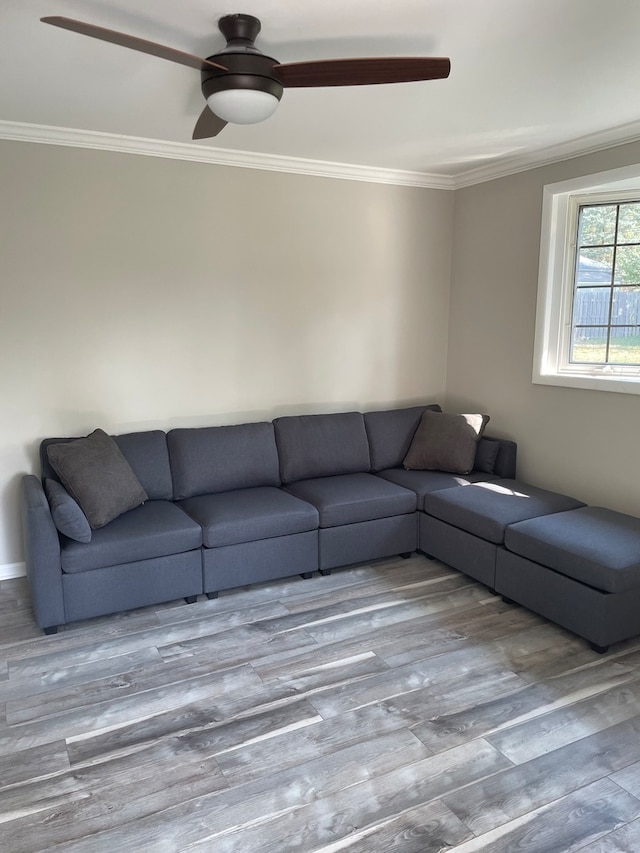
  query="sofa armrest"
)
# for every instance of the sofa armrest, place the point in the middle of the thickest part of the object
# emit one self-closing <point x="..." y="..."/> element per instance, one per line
<point x="41" y="554"/>
<point x="505" y="466"/>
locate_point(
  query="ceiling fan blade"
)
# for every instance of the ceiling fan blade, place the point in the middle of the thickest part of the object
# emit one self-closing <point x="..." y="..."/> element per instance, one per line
<point x="208" y="125"/>
<point x="362" y="71"/>
<point x="132" y="42"/>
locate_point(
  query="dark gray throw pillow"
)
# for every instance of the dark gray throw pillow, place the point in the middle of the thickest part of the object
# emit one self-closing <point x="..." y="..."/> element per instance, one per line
<point x="66" y="513"/>
<point x="445" y="442"/>
<point x="486" y="455"/>
<point x="95" y="473"/>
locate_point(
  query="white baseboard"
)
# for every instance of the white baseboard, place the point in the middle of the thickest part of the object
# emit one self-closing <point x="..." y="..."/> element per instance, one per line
<point x="12" y="570"/>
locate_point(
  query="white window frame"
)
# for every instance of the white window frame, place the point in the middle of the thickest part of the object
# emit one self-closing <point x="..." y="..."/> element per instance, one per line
<point x="560" y="208"/>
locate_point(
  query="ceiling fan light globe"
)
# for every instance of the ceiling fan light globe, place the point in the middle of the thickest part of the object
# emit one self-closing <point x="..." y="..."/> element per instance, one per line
<point x="243" y="106"/>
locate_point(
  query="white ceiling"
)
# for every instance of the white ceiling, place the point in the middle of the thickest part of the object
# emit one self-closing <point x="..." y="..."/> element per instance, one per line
<point x="527" y="76"/>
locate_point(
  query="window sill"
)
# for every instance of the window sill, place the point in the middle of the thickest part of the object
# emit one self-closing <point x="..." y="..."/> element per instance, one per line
<point x="618" y="384"/>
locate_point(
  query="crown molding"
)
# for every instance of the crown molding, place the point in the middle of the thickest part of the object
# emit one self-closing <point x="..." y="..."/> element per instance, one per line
<point x="21" y="132"/>
<point x="588" y="144"/>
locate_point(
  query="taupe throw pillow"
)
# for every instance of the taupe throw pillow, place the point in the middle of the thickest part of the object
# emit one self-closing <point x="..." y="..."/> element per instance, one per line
<point x="445" y="442"/>
<point x="97" y="475"/>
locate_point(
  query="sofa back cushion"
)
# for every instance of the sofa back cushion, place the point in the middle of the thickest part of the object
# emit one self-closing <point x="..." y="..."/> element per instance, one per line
<point x="390" y="434"/>
<point x="147" y="454"/>
<point x="208" y="460"/>
<point x="321" y="445"/>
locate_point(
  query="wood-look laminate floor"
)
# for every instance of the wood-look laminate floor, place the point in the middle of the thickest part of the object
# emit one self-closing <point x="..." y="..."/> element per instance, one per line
<point x="392" y="708"/>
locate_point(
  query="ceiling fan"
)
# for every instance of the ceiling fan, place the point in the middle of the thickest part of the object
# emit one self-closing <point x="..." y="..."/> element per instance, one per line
<point x="243" y="86"/>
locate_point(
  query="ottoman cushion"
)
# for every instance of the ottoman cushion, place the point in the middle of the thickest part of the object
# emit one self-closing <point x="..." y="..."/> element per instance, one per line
<point x="487" y="509"/>
<point x="594" y="545"/>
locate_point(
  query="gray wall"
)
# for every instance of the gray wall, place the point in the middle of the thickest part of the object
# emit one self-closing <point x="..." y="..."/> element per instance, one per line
<point x="582" y="442"/>
<point x="140" y="292"/>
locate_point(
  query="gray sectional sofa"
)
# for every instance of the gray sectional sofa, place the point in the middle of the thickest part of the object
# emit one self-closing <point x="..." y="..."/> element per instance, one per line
<point x="233" y="505"/>
<point x="228" y="506"/>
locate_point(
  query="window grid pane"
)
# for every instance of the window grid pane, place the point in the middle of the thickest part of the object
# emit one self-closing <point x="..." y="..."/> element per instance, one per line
<point x="606" y="291"/>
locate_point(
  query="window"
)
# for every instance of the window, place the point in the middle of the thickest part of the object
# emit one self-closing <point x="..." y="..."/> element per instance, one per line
<point x="605" y="327"/>
<point x="588" y="317"/>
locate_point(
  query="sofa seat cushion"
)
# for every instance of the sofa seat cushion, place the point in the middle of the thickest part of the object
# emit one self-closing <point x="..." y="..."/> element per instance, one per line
<point x="486" y="509"/>
<point x="155" y="529"/>
<point x="350" y="498"/>
<point x="423" y="482"/>
<point x="594" y="545"/>
<point x="248" y="515"/>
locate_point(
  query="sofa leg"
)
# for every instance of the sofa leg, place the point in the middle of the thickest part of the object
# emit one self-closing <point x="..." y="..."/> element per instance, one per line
<point x="324" y="572"/>
<point x="424" y="554"/>
<point x="507" y="600"/>
<point x="191" y="599"/>
<point x="211" y="595"/>
<point x="406" y="554"/>
<point x="306" y="575"/>
<point x="599" y="649"/>
<point x="52" y="629"/>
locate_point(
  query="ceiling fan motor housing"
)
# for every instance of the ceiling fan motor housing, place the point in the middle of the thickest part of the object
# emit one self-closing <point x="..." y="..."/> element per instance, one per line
<point x="248" y="67"/>
<point x="246" y="71"/>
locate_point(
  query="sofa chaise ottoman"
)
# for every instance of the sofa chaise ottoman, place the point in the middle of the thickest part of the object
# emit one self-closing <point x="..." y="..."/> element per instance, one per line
<point x="465" y="527"/>
<point x="580" y="569"/>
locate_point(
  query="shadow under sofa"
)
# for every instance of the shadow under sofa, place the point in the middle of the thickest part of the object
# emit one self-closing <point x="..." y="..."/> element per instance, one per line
<point x="234" y="505"/>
